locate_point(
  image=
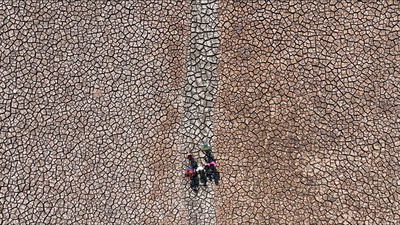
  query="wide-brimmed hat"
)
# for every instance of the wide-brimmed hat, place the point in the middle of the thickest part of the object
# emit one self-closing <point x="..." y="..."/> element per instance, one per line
<point x="205" y="146"/>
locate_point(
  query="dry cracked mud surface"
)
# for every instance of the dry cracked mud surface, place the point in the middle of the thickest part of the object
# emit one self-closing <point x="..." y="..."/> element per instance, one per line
<point x="100" y="100"/>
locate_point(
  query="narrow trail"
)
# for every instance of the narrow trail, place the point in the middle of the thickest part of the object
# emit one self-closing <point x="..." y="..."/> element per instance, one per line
<point x="199" y="89"/>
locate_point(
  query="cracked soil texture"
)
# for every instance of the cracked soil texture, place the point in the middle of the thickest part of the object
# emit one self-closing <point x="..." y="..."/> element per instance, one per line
<point x="198" y="94"/>
<point x="302" y="96"/>
<point x="307" y="113"/>
<point x="90" y="112"/>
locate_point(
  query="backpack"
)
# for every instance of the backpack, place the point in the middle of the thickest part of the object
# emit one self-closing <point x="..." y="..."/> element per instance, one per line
<point x="189" y="172"/>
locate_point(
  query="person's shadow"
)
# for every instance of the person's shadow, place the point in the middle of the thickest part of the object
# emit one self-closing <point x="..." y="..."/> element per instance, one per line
<point x="215" y="174"/>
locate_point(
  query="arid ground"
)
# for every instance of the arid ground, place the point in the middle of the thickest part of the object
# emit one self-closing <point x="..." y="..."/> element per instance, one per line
<point x="100" y="100"/>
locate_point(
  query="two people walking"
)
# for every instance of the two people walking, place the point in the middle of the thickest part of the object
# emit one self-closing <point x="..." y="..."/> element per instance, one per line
<point x="209" y="171"/>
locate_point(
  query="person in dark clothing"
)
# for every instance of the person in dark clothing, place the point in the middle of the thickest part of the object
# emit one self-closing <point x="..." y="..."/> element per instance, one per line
<point x="194" y="182"/>
<point x="191" y="172"/>
<point x="208" y="172"/>
<point x="207" y="151"/>
<point x="211" y="170"/>
<point x="193" y="163"/>
<point x="200" y="170"/>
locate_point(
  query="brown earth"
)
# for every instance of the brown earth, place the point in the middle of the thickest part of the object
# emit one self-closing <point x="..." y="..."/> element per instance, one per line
<point x="303" y="124"/>
<point x="307" y="113"/>
<point x="90" y="112"/>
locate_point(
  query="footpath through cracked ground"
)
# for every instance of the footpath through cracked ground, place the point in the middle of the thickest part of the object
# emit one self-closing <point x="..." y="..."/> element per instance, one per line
<point x="100" y="101"/>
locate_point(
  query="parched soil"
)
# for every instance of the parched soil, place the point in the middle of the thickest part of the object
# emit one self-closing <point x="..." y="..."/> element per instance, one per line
<point x="307" y="113"/>
<point x="100" y="100"/>
<point x="90" y="112"/>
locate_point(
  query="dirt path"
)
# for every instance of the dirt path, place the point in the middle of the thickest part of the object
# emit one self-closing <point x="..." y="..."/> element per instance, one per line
<point x="199" y="89"/>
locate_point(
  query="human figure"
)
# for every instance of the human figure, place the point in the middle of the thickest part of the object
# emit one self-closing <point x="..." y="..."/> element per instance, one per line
<point x="193" y="163"/>
<point x="208" y="172"/>
<point x="200" y="170"/>
<point x="207" y="151"/>
<point x="194" y="182"/>
<point x="191" y="172"/>
<point x="211" y="170"/>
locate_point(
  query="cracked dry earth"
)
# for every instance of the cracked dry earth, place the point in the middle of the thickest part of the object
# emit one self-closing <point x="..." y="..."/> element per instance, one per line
<point x="100" y="101"/>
